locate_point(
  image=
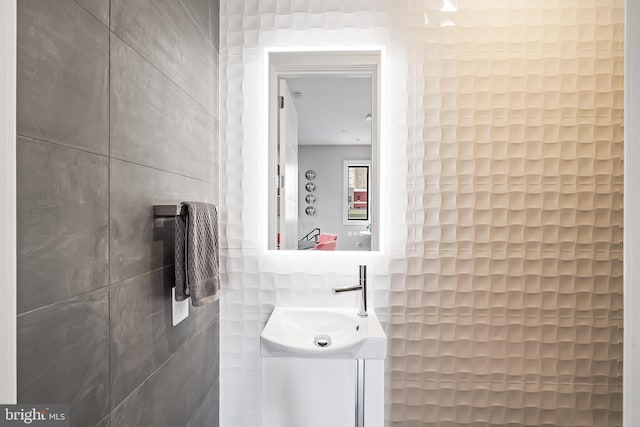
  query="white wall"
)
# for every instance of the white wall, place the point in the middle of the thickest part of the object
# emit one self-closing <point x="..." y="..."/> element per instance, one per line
<point x="256" y="280"/>
<point x="327" y="161"/>
<point x="412" y="129"/>
<point x="631" y="378"/>
<point x="7" y="201"/>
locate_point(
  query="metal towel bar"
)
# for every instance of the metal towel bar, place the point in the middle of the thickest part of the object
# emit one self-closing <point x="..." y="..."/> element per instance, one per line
<point x="167" y="211"/>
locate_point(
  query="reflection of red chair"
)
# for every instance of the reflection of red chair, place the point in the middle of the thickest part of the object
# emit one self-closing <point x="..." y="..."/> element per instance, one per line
<point x="327" y="242"/>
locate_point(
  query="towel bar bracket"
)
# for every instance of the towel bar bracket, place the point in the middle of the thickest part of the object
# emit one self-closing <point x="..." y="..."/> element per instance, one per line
<point x="167" y="211"/>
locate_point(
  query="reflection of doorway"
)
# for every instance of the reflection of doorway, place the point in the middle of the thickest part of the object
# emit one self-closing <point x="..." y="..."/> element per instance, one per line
<point x="334" y="124"/>
<point x="287" y="192"/>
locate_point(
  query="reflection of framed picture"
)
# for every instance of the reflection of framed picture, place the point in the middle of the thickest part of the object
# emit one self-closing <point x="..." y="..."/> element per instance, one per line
<point x="310" y="198"/>
<point x="310" y="186"/>
<point x="310" y="174"/>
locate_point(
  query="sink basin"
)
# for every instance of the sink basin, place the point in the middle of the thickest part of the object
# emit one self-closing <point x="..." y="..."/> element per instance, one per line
<point x="322" y="333"/>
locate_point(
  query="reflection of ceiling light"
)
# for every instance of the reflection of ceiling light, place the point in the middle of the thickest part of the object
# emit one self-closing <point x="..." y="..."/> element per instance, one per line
<point x="367" y="118"/>
<point x="426" y="19"/>
<point x="448" y="23"/>
<point x="449" y="6"/>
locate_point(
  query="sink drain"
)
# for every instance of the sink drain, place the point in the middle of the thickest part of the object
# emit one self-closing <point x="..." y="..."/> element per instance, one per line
<point x="323" y="341"/>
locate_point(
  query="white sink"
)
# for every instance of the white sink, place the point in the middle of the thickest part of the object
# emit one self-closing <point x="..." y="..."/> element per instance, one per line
<point x="322" y="333"/>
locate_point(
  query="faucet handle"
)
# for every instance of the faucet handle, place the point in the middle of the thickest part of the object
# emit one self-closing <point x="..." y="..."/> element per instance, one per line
<point x="346" y="289"/>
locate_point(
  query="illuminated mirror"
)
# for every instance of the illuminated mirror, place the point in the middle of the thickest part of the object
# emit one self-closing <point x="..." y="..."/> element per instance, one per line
<point x="323" y="151"/>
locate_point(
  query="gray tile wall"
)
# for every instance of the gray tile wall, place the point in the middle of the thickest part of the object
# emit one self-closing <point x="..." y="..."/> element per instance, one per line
<point x="117" y="111"/>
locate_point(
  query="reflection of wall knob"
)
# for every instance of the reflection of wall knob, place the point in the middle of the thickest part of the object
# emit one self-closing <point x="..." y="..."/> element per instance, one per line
<point x="310" y="174"/>
<point x="310" y="186"/>
<point x="310" y="210"/>
<point x="310" y="198"/>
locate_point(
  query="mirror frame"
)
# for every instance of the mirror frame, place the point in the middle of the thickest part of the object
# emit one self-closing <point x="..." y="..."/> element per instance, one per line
<point x="289" y="63"/>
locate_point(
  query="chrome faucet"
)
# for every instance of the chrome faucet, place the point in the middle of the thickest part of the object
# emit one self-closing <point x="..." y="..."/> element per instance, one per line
<point x="361" y="286"/>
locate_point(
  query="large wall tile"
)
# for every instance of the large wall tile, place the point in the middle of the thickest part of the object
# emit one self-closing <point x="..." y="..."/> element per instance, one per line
<point x="99" y="9"/>
<point x="154" y="122"/>
<point x="108" y="128"/>
<point x="140" y="243"/>
<point x="141" y="334"/>
<point x="208" y="413"/>
<point x="199" y="11"/>
<point x="183" y="382"/>
<point x="164" y="33"/>
<point x="214" y="20"/>
<point x="63" y="224"/>
<point x="63" y="61"/>
<point x="63" y="356"/>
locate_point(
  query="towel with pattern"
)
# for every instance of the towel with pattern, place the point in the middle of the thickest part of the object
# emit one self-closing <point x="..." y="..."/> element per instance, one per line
<point x="197" y="261"/>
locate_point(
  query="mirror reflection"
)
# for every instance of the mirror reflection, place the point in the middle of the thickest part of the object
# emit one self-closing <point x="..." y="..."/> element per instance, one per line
<point x="356" y="198"/>
<point x="324" y="145"/>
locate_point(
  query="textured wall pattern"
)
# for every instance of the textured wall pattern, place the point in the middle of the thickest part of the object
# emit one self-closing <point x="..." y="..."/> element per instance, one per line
<point x="500" y="284"/>
<point x="117" y="111"/>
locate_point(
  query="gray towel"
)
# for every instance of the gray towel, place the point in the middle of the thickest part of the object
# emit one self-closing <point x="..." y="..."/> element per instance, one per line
<point x="197" y="260"/>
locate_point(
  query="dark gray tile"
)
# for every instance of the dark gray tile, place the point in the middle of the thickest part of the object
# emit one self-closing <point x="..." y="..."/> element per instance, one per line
<point x="170" y="397"/>
<point x="63" y="223"/>
<point x="154" y="122"/>
<point x="63" y="58"/>
<point x="165" y="34"/>
<point x="214" y="23"/>
<point x="140" y="243"/>
<point x="63" y="356"/>
<point x="98" y="8"/>
<point x="141" y="334"/>
<point x="208" y="414"/>
<point x="199" y="11"/>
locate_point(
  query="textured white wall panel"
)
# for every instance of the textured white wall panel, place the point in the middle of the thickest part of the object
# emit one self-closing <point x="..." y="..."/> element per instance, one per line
<point x="257" y="281"/>
<point x="500" y="279"/>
